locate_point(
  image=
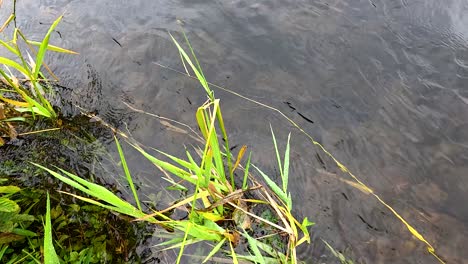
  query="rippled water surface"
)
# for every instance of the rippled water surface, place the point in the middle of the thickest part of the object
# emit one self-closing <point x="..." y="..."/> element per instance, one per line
<point x="381" y="83"/>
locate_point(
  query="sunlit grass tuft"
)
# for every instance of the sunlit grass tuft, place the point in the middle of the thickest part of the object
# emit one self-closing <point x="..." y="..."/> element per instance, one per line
<point x="218" y="210"/>
<point x="33" y="98"/>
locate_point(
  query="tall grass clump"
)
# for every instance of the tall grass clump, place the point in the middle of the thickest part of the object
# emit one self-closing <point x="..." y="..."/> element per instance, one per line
<point x="21" y="72"/>
<point x="219" y="211"/>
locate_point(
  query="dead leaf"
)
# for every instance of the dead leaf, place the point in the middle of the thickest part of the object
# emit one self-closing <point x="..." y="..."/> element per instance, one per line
<point x="2" y="112"/>
<point x="12" y="131"/>
<point x="233" y="236"/>
<point x="239" y="157"/>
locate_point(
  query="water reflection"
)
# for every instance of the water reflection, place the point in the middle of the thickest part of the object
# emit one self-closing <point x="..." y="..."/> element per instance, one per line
<point x="457" y="11"/>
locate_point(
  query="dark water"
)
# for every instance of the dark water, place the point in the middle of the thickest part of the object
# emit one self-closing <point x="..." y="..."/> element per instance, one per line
<point x="384" y="82"/>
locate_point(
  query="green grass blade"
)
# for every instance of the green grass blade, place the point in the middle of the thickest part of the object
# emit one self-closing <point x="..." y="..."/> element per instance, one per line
<point x="45" y="104"/>
<point x="226" y="144"/>
<point x="285" y="176"/>
<point x="246" y="173"/>
<point x="130" y="211"/>
<point x="20" y="55"/>
<point x="208" y="164"/>
<point x="64" y="179"/>
<point x="211" y="93"/>
<point x="33" y="76"/>
<point x="2" y="251"/>
<point x="201" y="121"/>
<point x="280" y="257"/>
<point x="214" y="227"/>
<point x="197" y="169"/>
<point x="36" y="110"/>
<point x="167" y="166"/>
<point x="100" y="192"/>
<point x="52" y="47"/>
<point x="43" y="48"/>
<point x="214" y="250"/>
<point x="194" y="56"/>
<point x="127" y="173"/>
<point x="181" y="162"/>
<point x="233" y="254"/>
<point x="8" y="206"/>
<point x="15" y="65"/>
<point x="32" y="257"/>
<point x="24" y="232"/>
<point x="207" y="233"/>
<point x="197" y="69"/>
<point x="182" y="246"/>
<point x="9" y="189"/>
<point x="206" y="123"/>
<point x="7" y="78"/>
<point x="28" y="99"/>
<point x="50" y="256"/>
<point x="304" y="225"/>
<point x="214" y="143"/>
<point x="278" y="158"/>
<point x="91" y="189"/>
<point x="178" y="245"/>
<point x="253" y="245"/>
<point x="218" y="157"/>
<point x="277" y="190"/>
<point x="268" y="260"/>
<point x="14" y="119"/>
<point x="175" y="185"/>
<point x="172" y="241"/>
<point x="199" y="76"/>
<point x="10" y="48"/>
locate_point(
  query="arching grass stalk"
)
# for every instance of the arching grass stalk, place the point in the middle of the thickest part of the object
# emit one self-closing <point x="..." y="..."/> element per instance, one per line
<point x="196" y="68"/>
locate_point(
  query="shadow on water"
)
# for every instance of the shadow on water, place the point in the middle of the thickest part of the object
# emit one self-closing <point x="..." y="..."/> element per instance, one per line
<point x="381" y="84"/>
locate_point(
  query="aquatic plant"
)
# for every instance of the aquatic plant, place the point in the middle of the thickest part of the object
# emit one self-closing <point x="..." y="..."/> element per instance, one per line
<point x="27" y="94"/>
<point x="14" y="221"/>
<point x="82" y="233"/>
<point x="218" y="210"/>
<point x="11" y="220"/>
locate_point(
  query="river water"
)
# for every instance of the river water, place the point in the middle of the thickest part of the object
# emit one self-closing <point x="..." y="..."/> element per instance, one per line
<point x="382" y="84"/>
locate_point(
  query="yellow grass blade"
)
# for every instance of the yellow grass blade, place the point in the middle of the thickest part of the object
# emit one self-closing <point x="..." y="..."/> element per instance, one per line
<point x="53" y="48"/>
<point x="234" y="256"/>
<point x="239" y="157"/>
<point x="39" y="131"/>
<point x="10" y="18"/>
<point x="211" y="216"/>
<point x="185" y="201"/>
<point x="255" y="201"/>
<point x="14" y="102"/>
